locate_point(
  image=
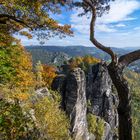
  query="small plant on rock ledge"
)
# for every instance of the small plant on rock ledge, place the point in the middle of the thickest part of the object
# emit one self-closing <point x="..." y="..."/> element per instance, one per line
<point x="96" y="126"/>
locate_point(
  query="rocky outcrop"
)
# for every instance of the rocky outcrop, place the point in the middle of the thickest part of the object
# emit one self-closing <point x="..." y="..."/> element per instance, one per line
<point x="42" y="92"/>
<point x="102" y="101"/>
<point x="73" y="89"/>
<point x="75" y="101"/>
<point x="94" y="90"/>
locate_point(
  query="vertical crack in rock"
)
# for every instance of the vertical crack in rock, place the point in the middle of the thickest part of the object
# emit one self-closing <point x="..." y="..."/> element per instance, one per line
<point x="59" y="84"/>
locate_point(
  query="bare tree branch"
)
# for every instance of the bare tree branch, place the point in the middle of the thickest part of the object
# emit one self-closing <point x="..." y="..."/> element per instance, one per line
<point x="92" y="36"/>
<point x="126" y="59"/>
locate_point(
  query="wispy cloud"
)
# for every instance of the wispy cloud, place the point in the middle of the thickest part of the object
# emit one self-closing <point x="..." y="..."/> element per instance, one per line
<point x="110" y="25"/>
<point x="105" y="28"/>
<point x="137" y="28"/>
<point x="120" y="10"/>
<point x="120" y="25"/>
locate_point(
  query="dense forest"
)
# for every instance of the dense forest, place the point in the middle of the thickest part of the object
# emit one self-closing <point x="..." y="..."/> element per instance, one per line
<point x="58" y="54"/>
<point x="67" y="97"/>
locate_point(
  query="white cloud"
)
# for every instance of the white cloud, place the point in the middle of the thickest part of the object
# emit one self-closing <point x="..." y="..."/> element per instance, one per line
<point x="120" y="25"/>
<point x="130" y="39"/>
<point x="120" y="10"/>
<point x="137" y="28"/>
<point x="105" y="28"/>
<point x="81" y="24"/>
<point x="82" y="29"/>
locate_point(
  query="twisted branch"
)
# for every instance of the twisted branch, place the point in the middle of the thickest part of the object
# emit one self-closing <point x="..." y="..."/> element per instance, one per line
<point x="126" y="59"/>
<point x="92" y="35"/>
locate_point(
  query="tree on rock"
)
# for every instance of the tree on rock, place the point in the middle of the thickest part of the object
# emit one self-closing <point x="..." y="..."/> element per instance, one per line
<point x="116" y="67"/>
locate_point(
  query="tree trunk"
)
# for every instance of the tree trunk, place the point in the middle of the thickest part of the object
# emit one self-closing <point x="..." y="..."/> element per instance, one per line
<point x="124" y="108"/>
<point x="116" y="73"/>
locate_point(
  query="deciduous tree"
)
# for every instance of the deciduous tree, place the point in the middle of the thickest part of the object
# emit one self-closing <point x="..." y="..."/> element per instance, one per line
<point x="34" y="15"/>
<point x="48" y="74"/>
<point x="15" y="66"/>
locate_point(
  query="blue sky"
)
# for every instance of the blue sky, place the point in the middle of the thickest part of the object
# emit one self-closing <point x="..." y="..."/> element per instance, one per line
<point x="119" y="28"/>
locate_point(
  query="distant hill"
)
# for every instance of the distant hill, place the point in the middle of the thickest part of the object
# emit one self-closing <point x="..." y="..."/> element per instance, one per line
<point x="58" y="54"/>
<point x="78" y="50"/>
<point x="47" y="57"/>
<point x="132" y="48"/>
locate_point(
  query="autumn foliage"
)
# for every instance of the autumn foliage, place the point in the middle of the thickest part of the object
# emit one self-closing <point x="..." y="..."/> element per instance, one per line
<point x="44" y="75"/>
<point x="17" y="80"/>
<point x="15" y="66"/>
<point x="51" y="120"/>
<point x="16" y="15"/>
<point x="48" y="74"/>
<point x="14" y="124"/>
<point x="83" y="62"/>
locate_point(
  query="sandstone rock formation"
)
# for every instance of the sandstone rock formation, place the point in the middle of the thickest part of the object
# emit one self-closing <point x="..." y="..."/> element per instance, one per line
<point x="94" y="90"/>
<point x="75" y="101"/>
<point x="73" y="91"/>
<point x="103" y="102"/>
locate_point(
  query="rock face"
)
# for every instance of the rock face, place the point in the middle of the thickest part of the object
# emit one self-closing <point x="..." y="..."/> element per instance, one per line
<point x="94" y="90"/>
<point x="75" y="101"/>
<point x="103" y="102"/>
<point x="73" y="89"/>
<point x="59" y="84"/>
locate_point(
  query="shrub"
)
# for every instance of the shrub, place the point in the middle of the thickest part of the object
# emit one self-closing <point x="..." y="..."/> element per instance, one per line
<point x="51" y="120"/>
<point x="14" y="124"/>
<point x="95" y="126"/>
